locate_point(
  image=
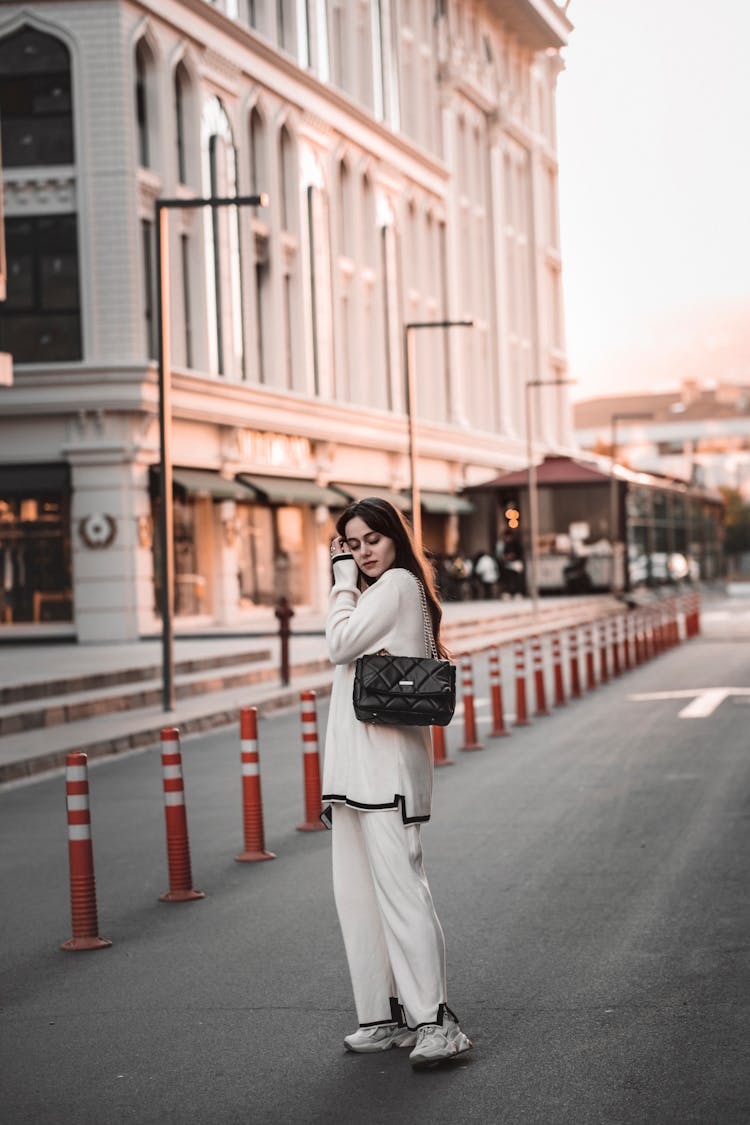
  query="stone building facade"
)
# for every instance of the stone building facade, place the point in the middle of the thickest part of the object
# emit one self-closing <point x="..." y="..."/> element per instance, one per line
<point x="408" y="151"/>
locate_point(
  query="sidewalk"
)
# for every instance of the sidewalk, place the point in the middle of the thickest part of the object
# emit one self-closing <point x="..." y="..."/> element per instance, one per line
<point x="22" y="663"/>
<point x="106" y="699"/>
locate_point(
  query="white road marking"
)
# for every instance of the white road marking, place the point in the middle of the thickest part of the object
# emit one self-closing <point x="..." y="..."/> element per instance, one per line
<point x="704" y="700"/>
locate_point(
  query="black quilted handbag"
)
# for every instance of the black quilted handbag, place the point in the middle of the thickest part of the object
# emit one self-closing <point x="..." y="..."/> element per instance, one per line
<point x="406" y="691"/>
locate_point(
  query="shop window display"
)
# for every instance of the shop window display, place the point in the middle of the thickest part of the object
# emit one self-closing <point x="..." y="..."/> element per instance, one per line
<point x="190" y="584"/>
<point x="35" y="559"/>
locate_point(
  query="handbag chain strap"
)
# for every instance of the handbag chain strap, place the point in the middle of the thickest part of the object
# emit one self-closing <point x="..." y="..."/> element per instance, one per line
<point x="429" y="635"/>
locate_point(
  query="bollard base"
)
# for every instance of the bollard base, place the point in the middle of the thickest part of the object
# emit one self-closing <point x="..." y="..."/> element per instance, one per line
<point x="74" y="943"/>
<point x="444" y="762"/>
<point x="522" y="723"/>
<point x="472" y="746"/>
<point x="181" y="896"/>
<point x="499" y="733"/>
<point x="312" y="826"/>
<point x="254" y="857"/>
<point x="542" y="714"/>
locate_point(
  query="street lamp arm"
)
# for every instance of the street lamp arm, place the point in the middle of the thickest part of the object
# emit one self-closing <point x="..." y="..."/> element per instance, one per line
<point x="179" y="203"/>
<point x="439" y="324"/>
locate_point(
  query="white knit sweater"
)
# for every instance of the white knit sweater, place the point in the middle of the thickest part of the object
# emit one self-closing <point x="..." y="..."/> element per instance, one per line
<point x="369" y="766"/>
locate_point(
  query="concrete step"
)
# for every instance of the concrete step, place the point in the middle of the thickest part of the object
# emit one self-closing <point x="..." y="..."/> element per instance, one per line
<point x="75" y="706"/>
<point x="56" y="686"/>
<point x="32" y="752"/>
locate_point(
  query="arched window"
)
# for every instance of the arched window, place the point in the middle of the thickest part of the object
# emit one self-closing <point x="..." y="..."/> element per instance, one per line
<point x="181" y="93"/>
<point x="36" y="100"/>
<point x="258" y="173"/>
<point x="288" y="181"/>
<point x="222" y="239"/>
<point x="369" y="224"/>
<point x="318" y="265"/>
<point x="143" y="62"/>
<point x="287" y="164"/>
<point x="40" y="320"/>
<point x="262" y="256"/>
<point x="344" y="209"/>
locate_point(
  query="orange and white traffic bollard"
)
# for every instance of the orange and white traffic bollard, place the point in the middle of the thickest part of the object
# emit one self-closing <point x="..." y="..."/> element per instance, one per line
<point x="439" y="755"/>
<point x="522" y="714"/>
<point x="557" y="672"/>
<point x="471" y="742"/>
<point x="648" y="637"/>
<point x="602" y="634"/>
<point x="675" y="622"/>
<point x="81" y="858"/>
<point x="178" y="844"/>
<point x="499" y="729"/>
<point x="638" y="639"/>
<point x="537" y="664"/>
<point x="614" y="636"/>
<point x="696" y="616"/>
<point x="311" y="765"/>
<point x="627" y="641"/>
<point x="575" y="672"/>
<point x="588" y="649"/>
<point x="659" y="643"/>
<point x="252" y="801"/>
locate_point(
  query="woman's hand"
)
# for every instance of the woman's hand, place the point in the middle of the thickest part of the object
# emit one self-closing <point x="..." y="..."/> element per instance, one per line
<point x="339" y="547"/>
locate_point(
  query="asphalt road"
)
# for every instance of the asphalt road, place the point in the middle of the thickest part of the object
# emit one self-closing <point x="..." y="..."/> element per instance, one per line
<point x="590" y="873"/>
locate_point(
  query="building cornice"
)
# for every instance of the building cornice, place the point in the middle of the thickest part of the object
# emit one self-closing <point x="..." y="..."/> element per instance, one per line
<point x="539" y="24"/>
<point x="128" y="389"/>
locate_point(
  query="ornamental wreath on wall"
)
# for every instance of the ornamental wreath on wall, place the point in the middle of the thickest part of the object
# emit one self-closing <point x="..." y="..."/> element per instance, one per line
<point x="97" y="530"/>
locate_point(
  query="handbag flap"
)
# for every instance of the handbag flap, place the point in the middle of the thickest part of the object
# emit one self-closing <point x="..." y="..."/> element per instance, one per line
<point x="405" y="675"/>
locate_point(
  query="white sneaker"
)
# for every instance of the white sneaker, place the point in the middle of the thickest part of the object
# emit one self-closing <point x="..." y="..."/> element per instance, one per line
<point x="436" y="1042"/>
<point x="380" y="1037"/>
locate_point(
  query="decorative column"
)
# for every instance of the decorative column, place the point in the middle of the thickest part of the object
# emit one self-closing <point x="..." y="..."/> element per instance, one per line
<point x="226" y="563"/>
<point x="112" y="564"/>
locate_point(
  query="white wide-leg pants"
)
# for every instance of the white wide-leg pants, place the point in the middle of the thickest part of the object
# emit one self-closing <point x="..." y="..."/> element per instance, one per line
<point x="393" y="939"/>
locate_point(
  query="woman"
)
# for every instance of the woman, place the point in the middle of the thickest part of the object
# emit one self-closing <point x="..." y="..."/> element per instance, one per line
<point x="378" y="780"/>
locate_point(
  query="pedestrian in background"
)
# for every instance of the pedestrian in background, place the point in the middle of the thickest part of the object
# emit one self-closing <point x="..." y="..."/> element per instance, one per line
<point x="487" y="574"/>
<point x="378" y="780"/>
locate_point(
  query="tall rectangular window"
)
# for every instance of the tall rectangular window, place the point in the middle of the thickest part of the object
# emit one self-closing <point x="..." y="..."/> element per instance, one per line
<point x="186" y="306"/>
<point x="147" y="242"/>
<point x="40" y="321"/>
<point x="313" y="291"/>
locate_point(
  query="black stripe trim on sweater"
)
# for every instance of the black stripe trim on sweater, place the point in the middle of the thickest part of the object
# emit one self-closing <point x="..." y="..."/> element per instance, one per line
<point x="398" y="799"/>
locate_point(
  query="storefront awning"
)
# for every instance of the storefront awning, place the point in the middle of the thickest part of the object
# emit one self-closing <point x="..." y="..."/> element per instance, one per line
<point x="203" y="482"/>
<point x="363" y="491"/>
<point x="33" y="480"/>
<point x="445" y="504"/>
<point x="290" y="491"/>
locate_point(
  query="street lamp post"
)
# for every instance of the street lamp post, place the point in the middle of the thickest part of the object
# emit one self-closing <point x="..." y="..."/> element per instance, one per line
<point x="614" y="522"/>
<point x="166" y="528"/>
<point x="533" y="583"/>
<point x="411" y="411"/>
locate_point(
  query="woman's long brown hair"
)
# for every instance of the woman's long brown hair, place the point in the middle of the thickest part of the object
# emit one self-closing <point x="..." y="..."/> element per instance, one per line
<point x="381" y="516"/>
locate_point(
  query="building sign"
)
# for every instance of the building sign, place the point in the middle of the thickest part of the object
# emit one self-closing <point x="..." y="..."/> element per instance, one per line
<point x="274" y="450"/>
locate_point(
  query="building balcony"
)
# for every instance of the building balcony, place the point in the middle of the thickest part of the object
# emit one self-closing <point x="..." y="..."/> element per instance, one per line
<point x="539" y="24"/>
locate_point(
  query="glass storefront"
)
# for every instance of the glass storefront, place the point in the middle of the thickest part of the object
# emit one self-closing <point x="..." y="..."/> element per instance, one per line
<point x="35" y="547"/>
<point x="271" y="555"/>
<point x="272" y="543"/>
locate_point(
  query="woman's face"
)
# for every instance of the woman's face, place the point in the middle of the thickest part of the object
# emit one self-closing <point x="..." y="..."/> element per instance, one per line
<point x="373" y="553"/>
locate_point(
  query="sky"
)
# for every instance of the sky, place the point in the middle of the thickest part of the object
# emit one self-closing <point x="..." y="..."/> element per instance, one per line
<point x="654" y="151"/>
